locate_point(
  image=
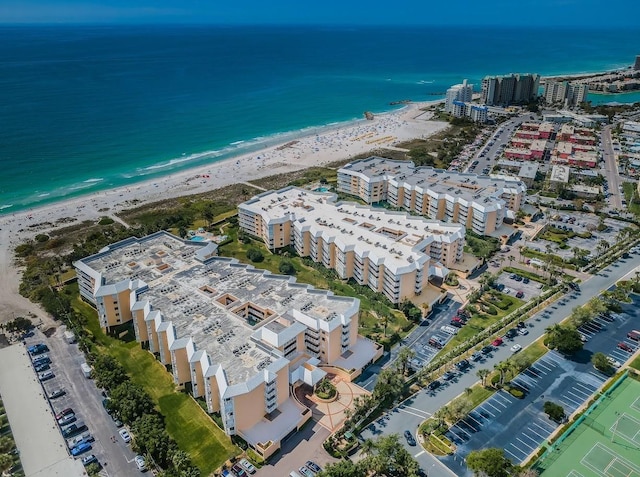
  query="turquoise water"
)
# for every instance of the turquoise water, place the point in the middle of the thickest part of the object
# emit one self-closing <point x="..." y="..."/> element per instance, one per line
<point x="321" y="189"/>
<point x="197" y="238"/>
<point x="631" y="97"/>
<point x="84" y="109"/>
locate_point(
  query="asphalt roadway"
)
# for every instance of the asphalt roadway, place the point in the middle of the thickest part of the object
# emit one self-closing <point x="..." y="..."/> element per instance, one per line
<point x="410" y="413"/>
<point x="611" y="169"/>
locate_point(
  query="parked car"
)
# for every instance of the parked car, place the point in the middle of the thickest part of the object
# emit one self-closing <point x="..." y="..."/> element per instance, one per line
<point x="523" y="331"/>
<point x="238" y="471"/>
<point x="46" y="375"/>
<point x="68" y="419"/>
<point x="457" y="324"/>
<point x="249" y="467"/>
<point x="84" y="437"/>
<point x="497" y="342"/>
<point x="462" y="365"/>
<point x="520" y="294"/>
<point x="515" y="348"/>
<point x="64" y="412"/>
<point x="80" y="448"/>
<point x="512" y="333"/>
<point x="313" y="466"/>
<point x="56" y="393"/>
<point x="41" y="358"/>
<point x="42" y="367"/>
<point x="634" y="335"/>
<point x="38" y="349"/>
<point x="448" y="376"/>
<point x="73" y="429"/>
<point x="624" y="346"/>
<point x="477" y="356"/>
<point x="306" y="472"/>
<point x="140" y="463"/>
<point x="522" y="324"/>
<point x="613" y="362"/>
<point x="433" y="385"/>
<point x="409" y="437"/>
<point x="89" y="459"/>
<point x="126" y="437"/>
<point x="525" y="280"/>
<point x="487" y="349"/>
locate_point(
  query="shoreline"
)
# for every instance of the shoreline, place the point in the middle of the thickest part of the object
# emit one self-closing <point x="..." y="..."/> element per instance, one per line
<point x="339" y="142"/>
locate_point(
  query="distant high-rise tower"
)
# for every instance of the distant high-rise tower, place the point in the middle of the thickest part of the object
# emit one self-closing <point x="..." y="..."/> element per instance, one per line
<point x="636" y="66"/>
<point x="458" y="92"/>
<point x="564" y="92"/>
<point x="505" y="90"/>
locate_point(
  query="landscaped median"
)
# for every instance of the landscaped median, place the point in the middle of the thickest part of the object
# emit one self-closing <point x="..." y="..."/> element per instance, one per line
<point x="186" y="422"/>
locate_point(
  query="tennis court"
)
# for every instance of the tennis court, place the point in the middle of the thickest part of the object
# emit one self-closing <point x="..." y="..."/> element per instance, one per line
<point x="605" y="443"/>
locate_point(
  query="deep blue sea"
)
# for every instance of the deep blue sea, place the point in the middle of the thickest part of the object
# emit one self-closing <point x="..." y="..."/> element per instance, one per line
<point x="89" y="108"/>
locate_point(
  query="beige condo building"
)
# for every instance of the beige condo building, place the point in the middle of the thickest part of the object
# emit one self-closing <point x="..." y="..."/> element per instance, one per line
<point x="239" y="337"/>
<point x="390" y="252"/>
<point x="480" y="203"/>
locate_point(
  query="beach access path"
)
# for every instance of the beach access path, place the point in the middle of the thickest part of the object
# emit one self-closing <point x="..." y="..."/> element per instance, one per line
<point x="342" y="142"/>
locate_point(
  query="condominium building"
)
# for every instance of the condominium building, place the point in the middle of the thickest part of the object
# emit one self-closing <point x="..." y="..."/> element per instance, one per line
<point x="511" y="89"/>
<point x="566" y="93"/>
<point x="458" y="92"/>
<point x="390" y="252"/>
<point x="240" y="338"/>
<point x="477" y="113"/>
<point x="480" y="203"/>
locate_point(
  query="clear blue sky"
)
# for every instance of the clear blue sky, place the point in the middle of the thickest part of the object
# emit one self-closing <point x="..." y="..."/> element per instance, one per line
<point x="603" y="13"/>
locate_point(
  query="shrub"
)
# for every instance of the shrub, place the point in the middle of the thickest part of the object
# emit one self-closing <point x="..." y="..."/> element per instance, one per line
<point x="41" y="238"/>
<point x="286" y="268"/>
<point x="105" y="221"/>
<point x="516" y="393"/>
<point x="255" y="255"/>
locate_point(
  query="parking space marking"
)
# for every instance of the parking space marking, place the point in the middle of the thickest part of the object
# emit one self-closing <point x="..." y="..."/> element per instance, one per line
<point x="576" y="403"/>
<point x="531" y="373"/>
<point x="544" y="429"/>
<point x="530" y="429"/>
<point x="499" y="411"/>
<point x="484" y="410"/>
<point x="566" y="404"/>
<point x="494" y="408"/>
<point x="586" y="386"/>
<point x="597" y="376"/>
<point x="500" y="403"/>
<point x="548" y="368"/>
<point x="527" y="436"/>
<point x="582" y="396"/>
<point x="478" y="424"/>
<point x="525" y="444"/>
<point x="512" y="454"/>
<point x="412" y="413"/>
<point x="502" y="397"/>
<point x="462" y="430"/>
<point x="418" y="410"/>
<point x="419" y="454"/>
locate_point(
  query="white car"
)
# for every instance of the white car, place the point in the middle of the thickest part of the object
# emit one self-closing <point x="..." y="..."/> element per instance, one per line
<point x="506" y="291"/>
<point x="126" y="437"/>
<point x="523" y="331"/>
<point x="449" y="330"/>
<point x="515" y="348"/>
<point x="248" y="466"/>
<point x="140" y="463"/>
<point x="613" y="362"/>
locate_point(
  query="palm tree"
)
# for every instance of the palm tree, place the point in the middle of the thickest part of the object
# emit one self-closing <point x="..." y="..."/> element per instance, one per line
<point x="511" y="259"/>
<point x="602" y="246"/>
<point x="6" y="462"/>
<point x="441" y="415"/>
<point x="404" y="356"/>
<point x="502" y="367"/>
<point x="483" y="374"/>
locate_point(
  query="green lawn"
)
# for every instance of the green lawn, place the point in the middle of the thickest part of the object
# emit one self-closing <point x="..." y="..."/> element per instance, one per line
<point x="635" y="364"/>
<point x="527" y="274"/>
<point x="193" y="430"/>
<point x="630" y="193"/>
<point x="480" y="321"/>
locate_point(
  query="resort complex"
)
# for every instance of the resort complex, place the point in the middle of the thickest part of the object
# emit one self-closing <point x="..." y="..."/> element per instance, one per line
<point x="480" y="203"/>
<point x="240" y="338"/>
<point x="390" y="252"/>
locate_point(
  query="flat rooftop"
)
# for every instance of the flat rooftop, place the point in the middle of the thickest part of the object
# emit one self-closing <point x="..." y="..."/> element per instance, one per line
<point x="43" y="451"/>
<point x="218" y="302"/>
<point x="560" y="173"/>
<point x="393" y="237"/>
<point x="471" y="187"/>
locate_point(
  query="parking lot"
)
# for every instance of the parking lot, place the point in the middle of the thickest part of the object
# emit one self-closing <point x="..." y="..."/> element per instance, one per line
<point x="519" y="426"/>
<point x="82" y="395"/>
<point x="514" y="283"/>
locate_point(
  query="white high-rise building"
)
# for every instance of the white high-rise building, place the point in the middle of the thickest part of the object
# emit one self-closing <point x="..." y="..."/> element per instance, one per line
<point x="570" y="94"/>
<point x="458" y="92"/>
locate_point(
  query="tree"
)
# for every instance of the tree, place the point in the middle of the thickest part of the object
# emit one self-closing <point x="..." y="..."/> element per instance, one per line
<point x="286" y="268"/>
<point x="130" y="402"/>
<point x="343" y="468"/>
<point x="108" y="372"/>
<point x="502" y="367"/>
<point x="6" y="444"/>
<point x="601" y="363"/>
<point x="602" y="246"/>
<point x="404" y="356"/>
<point x="490" y="462"/>
<point x="511" y="259"/>
<point x="152" y="438"/>
<point x="563" y="338"/>
<point x="554" y="411"/>
<point x="388" y="386"/>
<point x="387" y="456"/>
<point x="6" y="462"/>
<point x="255" y="255"/>
<point x="483" y="374"/>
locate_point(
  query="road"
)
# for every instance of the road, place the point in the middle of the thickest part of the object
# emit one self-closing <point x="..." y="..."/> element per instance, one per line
<point x="611" y="169"/>
<point x="410" y="413"/>
<point x="502" y="135"/>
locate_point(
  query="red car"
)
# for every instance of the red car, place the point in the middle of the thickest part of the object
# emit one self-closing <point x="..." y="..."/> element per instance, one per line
<point x="64" y="412"/>
<point x="625" y="347"/>
<point x="497" y="342"/>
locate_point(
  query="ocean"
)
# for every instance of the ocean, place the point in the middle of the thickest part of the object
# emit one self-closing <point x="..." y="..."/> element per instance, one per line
<point x="86" y="108"/>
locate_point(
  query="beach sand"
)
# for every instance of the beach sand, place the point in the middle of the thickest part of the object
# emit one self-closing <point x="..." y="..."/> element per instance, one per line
<point x="332" y="145"/>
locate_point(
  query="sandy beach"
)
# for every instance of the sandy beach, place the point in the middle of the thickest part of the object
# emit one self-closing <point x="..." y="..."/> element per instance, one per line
<point x="331" y="145"/>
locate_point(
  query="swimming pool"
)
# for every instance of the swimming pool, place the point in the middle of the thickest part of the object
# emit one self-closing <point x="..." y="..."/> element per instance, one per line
<point x="197" y="238"/>
<point x="321" y="189"/>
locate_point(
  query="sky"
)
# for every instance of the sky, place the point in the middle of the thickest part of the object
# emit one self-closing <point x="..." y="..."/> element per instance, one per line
<point x="571" y="13"/>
